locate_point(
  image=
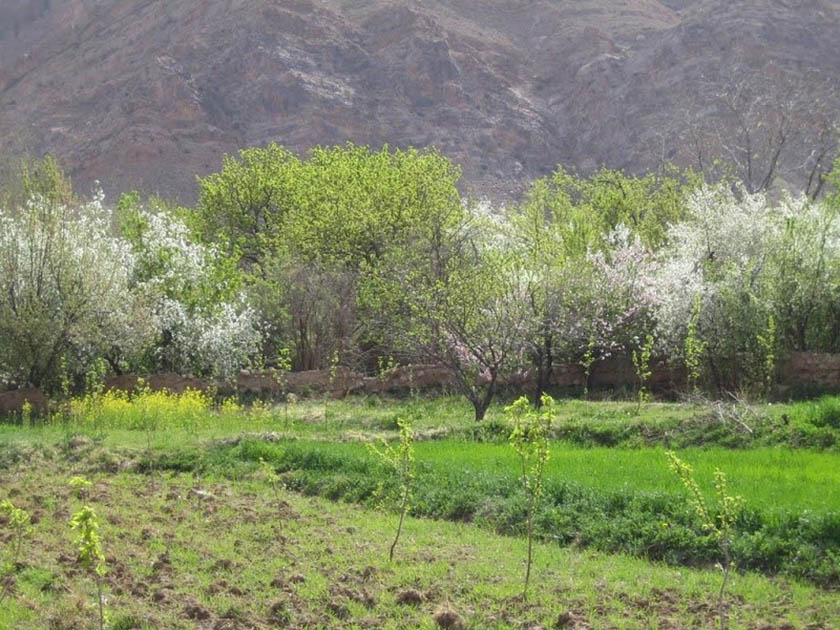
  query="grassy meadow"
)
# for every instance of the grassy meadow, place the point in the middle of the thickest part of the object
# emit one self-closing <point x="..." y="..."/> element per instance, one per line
<point x="195" y="535"/>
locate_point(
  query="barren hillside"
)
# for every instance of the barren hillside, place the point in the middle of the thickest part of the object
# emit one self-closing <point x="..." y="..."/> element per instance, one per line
<point x="147" y="94"/>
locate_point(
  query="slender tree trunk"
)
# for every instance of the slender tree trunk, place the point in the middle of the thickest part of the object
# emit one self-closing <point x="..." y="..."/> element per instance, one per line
<point x="399" y="527"/>
<point x="530" y="551"/>
<point x="101" y="603"/>
<point x="727" y="565"/>
<point x="544" y="361"/>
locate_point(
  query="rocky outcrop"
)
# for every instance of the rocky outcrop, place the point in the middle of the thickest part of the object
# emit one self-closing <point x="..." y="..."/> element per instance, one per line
<point x="148" y="94"/>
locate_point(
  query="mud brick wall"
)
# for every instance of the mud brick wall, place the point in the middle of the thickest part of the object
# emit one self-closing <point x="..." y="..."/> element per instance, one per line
<point x="811" y="369"/>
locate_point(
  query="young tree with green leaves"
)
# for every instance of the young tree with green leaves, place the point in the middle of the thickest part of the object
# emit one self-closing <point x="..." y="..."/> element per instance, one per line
<point x="401" y="460"/>
<point x="530" y="440"/>
<point x="553" y="236"/>
<point x="91" y="557"/>
<point x="720" y="524"/>
<point x="17" y="520"/>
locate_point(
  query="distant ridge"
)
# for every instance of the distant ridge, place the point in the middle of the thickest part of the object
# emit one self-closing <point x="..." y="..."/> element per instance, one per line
<point x="147" y="94"/>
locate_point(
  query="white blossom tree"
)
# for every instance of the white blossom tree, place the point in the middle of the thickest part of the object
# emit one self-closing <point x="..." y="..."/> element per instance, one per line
<point x="64" y="289"/>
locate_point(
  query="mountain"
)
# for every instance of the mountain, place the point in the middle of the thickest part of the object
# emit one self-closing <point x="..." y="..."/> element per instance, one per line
<point x="148" y="93"/>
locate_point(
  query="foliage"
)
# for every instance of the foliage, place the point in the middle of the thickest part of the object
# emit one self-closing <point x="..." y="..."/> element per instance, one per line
<point x="467" y="308"/>
<point x="720" y="525"/>
<point x="529" y="438"/>
<point x="401" y="460"/>
<point x="89" y="547"/>
<point x="17" y="520"/>
<point x="64" y="290"/>
<point x="204" y="323"/>
<point x="372" y="254"/>
<point x="753" y="266"/>
<point x="304" y="229"/>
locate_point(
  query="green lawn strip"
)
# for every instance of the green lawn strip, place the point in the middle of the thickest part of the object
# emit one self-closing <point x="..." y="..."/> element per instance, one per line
<point x="194" y="552"/>
<point x="587" y="423"/>
<point x="612" y="500"/>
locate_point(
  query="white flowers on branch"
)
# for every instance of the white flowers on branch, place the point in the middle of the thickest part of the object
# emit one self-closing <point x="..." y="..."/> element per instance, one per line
<point x="204" y="324"/>
<point x="64" y="289"/>
<point x="752" y="266"/>
<point x="72" y="290"/>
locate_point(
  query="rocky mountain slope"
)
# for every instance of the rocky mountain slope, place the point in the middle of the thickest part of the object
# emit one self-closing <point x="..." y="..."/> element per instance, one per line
<point x="148" y="93"/>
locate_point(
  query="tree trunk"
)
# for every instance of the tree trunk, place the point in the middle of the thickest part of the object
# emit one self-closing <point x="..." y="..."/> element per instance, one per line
<point x="544" y="360"/>
<point x="480" y="408"/>
<point x="482" y="403"/>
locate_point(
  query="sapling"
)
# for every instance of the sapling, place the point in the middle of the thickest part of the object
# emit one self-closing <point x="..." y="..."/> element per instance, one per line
<point x="26" y="414"/>
<point x="89" y="546"/>
<point x="694" y="347"/>
<point x="80" y="487"/>
<point x="333" y="374"/>
<point x="720" y="525"/>
<point x="641" y="365"/>
<point x="586" y="363"/>
<point x="274" y="481"/>
<point x="529" y="438"/>
<point x="401" y="459"/>
<point x="18" y="521"/>
<point x="281" y="375"/>
<point x="767" y="343"/>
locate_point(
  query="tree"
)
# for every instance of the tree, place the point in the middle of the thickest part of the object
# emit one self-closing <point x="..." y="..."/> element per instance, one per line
<point x="453" y="298"/>
<point x="748" y="275"/>
<point x="756" y="126"/>
<point x="243" y="207"/>
<point x="193" y="291"/>
<point x="552" y="236"/>
<point x="64" y="289"/>
<point x="306" y="229"/>
<point x="586" y="245"/>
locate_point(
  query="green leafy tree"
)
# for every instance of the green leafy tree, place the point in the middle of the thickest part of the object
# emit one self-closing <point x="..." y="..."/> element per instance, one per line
<point x="455" y="301"/>
<point x="694" y="347"/>
<point x="305" y="230"/>
<point x="245" y="205"/>
<point x="553" y="236"/>
<point x="641" y="365"/>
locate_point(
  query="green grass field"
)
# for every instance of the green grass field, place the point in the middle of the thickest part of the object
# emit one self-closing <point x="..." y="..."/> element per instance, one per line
<point x="180" y="479"/>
